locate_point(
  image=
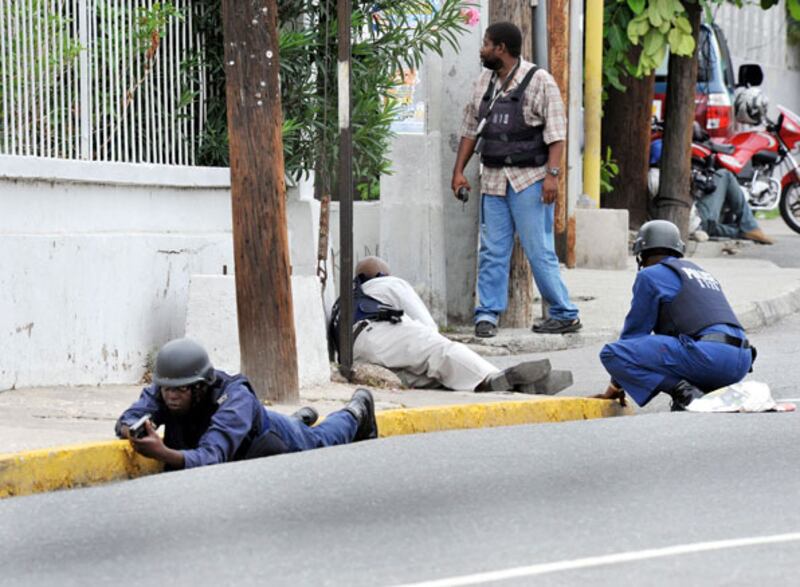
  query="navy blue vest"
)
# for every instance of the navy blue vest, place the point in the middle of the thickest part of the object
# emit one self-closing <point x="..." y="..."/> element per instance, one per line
<point x="365" y="307"/>
<point x="699" y="304"/>
<point x="507" y="139"/>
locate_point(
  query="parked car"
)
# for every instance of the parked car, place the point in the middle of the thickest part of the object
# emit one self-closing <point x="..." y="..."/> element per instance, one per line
<point x="715" y="84"/>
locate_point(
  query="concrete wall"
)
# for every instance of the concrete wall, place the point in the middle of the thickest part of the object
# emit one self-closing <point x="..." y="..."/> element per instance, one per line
<point x="97" y="259"/>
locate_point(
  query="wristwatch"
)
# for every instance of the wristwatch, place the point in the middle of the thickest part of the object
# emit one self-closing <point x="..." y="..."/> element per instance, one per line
<point x="554" y="171"/>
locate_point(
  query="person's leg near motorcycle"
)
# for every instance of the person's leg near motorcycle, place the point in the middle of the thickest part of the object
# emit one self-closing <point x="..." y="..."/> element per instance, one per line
<point x="736" y="202"/>
<point x="709" y="208"/>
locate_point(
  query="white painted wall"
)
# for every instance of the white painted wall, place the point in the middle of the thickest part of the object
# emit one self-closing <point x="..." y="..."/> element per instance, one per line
<point x="97" y="258"/>
<point x="759" y="36"/>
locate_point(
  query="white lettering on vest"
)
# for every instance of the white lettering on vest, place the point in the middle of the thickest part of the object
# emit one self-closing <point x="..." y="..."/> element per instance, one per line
<point x="703" y="278"/>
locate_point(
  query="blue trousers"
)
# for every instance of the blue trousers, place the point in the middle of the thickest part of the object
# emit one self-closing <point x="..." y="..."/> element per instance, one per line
<point x="728" y="193"/>
<point x="532" y="219"/>
<point x="338" y="428"/>
<point x="646" y="365"/>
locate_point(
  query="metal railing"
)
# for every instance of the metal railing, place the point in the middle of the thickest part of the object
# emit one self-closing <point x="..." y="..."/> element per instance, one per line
<point x="97" y="80"/>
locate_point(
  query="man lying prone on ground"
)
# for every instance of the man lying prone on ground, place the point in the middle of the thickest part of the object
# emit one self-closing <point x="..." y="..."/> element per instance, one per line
<point x="211" y="417"/>
<point x="393" y="328"/>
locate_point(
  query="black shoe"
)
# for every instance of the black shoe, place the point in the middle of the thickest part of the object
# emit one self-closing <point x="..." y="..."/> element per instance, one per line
<point x="526" y="373"/>
<point x="362" y="408"/>
<point x="307" y="415"/>
<point x="557" y="380"/>
<point x="554" y="326"/>
<point x="683" y="394"/>
<point x="485" y="329"/>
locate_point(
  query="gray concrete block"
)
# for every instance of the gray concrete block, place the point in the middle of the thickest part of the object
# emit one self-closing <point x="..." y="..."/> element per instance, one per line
<point x="211" y="320"/>
<point x="601" y="238"/>
<point x="412" y="222"/>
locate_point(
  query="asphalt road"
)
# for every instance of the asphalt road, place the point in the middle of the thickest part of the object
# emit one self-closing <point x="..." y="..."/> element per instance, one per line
<point x="778" y="351"/>
<point x="786" y="250"/>
<point x="443" y="506"/>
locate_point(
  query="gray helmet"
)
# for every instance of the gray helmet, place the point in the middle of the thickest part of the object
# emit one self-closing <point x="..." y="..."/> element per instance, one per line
<point x="182" y="362"/>
<point x="659" y="234"/>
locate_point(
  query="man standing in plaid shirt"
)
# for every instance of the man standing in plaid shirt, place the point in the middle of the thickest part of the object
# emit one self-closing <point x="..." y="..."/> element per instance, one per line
<point x="515" y="120"/>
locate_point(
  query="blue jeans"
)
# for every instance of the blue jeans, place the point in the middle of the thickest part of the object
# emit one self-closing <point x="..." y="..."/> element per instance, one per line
<point x="338" y="428"/>
<point x="728" y="193"/>
<point x="533" y="220"/>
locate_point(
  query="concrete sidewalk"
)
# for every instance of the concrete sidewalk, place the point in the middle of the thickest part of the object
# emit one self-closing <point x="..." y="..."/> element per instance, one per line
<point x="760" y="292"/>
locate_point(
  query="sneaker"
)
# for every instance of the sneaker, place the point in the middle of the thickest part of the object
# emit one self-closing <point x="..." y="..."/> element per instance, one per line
<point x="485" y="329"/>
<point x="555" y="326"/>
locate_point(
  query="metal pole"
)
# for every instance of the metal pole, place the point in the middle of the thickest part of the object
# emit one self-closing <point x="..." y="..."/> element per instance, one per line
<point x="84" y="80"/>
<point x="345" y="194"/>
<point x="593" y="92"/>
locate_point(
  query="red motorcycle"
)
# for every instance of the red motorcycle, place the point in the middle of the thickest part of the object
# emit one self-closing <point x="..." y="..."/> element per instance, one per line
<point x="753" y="157"/>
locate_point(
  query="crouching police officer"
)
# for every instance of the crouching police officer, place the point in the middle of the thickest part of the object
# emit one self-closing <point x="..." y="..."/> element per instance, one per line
<point x="211" y="417"/>
<point x="698" y="345"/>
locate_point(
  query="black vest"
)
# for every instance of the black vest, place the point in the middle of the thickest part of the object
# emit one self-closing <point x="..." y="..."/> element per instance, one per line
<point x="699" y="304"/>
<point x="508" y="141"/>
<point x="365" y="307"/>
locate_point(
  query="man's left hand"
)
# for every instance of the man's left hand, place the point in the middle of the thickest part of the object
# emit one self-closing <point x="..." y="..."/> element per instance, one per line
<point x="549" y="189"/>
<point x="613" y="393"/>
<point x="150" y="445"/>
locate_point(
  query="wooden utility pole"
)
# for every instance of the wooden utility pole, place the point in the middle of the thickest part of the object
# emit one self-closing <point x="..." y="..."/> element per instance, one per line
<point x="558" y="65"/>
<point x="258" y="190"/>
<point x="519" y="313"/>
<point x="674" y="195"/>
<point x="626" y="130"/>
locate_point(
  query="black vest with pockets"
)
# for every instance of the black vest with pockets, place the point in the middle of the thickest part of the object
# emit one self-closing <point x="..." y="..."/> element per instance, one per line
<point x="508" y="141"/>
<point x="699" y="304"/>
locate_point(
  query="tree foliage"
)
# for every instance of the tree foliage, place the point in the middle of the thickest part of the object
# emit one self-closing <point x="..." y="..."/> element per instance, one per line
<point x="387" y="37"/>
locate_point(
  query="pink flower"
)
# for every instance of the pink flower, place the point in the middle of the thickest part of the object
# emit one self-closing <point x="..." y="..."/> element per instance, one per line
<point x="472" y="16"/>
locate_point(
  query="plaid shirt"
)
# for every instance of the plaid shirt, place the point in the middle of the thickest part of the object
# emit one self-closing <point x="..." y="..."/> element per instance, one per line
<point x="541" y="104"/>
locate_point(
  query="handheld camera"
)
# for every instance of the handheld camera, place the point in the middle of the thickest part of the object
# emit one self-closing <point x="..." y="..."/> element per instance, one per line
<point x="138" y="429"/>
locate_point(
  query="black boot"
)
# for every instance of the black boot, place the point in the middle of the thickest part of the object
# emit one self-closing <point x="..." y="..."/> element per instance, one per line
<point x="307" y="415"/>
<point x="683" y="394"/>
<point x="362" y="408"/>
<point x="511" y="379"/>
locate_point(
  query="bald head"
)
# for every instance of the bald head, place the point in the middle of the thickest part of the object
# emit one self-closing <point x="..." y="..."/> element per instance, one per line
<point x="370" y="267"/>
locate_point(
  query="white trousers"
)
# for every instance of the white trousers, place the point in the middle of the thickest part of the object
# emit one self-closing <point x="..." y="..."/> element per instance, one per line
<point x="421" y="356"/>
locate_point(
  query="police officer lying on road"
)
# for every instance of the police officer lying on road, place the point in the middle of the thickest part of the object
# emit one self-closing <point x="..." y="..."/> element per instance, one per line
<point x="698" y="345"/>
<point x="211" y="417"/>
<point x="393" y="328"/>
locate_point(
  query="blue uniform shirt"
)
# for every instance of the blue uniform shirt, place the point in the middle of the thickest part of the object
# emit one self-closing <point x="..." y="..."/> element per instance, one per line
<point x="238" y="416"/>
<point x="655" y="285"/>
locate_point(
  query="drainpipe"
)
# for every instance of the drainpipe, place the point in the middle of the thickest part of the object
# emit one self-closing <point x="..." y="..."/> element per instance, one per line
<point x="593" y="88"/>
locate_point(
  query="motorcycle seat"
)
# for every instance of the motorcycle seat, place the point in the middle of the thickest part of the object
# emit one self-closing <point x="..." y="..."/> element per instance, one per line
<point x="721" y="148"/>
<point x="765" y="158"/>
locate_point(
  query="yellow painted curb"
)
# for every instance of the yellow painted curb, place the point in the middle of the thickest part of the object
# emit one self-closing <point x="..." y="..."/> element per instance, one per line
<point x="79" y="465"/>
<point x="486" y="415"/>
<point x="100" y="462"/>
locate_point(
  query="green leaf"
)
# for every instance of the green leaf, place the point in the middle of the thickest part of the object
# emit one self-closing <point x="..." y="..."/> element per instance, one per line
<point x="683" y="24"/>
<point x="654" y="16"/>
<point x="653" y="42"/>
<point x="794" y="9"/>
<point x="636" y="6"/>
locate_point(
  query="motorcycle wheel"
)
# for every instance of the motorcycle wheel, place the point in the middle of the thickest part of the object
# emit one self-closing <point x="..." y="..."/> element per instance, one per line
<point x="790" y="206"/>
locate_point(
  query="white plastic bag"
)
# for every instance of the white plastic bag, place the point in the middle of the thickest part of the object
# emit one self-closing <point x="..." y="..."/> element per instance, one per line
<point x="745" y="396"/>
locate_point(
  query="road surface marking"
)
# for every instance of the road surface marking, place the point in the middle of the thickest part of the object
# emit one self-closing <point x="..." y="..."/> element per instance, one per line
<point x="608" y="559"/>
